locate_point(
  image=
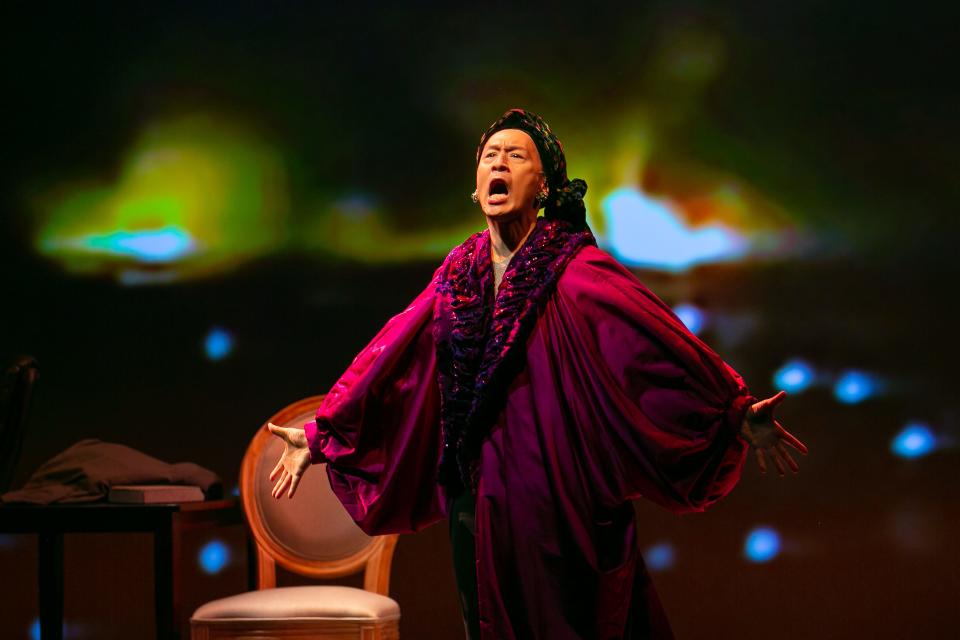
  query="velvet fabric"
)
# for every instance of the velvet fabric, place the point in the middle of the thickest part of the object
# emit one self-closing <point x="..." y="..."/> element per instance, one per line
<point x="613" y="400"/>
<point x="479" y="352"/>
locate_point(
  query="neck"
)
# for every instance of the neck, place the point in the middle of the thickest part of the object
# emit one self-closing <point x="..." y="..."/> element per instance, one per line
<point x="506" y="235"/>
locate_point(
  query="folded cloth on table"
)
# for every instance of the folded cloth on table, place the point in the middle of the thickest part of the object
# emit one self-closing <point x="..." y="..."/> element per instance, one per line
<point x="86" y="471"/>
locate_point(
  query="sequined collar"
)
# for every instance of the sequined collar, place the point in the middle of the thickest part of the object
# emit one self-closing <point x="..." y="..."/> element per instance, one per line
<point x="478" y="352"/>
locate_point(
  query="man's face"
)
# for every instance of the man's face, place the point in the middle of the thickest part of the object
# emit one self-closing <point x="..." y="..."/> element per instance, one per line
<point x="509" y="174"/>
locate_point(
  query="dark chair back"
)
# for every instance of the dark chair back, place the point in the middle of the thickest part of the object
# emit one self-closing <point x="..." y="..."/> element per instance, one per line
<point x="16" y="388"/>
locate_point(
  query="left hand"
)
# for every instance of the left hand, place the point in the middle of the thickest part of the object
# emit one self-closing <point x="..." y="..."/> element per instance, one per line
<point x="765" y="434"/>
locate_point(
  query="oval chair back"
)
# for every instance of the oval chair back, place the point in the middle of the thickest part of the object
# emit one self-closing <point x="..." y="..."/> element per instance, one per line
<point x="310" y="534"/>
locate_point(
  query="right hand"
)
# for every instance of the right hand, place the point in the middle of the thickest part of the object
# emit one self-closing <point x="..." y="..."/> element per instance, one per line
<point x="294" y="460"/>
<point x="766" y="434"/>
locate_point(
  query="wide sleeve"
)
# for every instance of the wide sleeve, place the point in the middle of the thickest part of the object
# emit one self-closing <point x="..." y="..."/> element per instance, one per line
<point x="657" y="413"/>
<point x="378" y="429"/>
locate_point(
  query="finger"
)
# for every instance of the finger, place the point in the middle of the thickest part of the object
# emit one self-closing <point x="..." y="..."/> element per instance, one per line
<point x="281" y="432"/>
<point x="286" y="483"/>
<point x="790" y="439"/>
<point x="772" y="400"/>
<point x="786" y="456"/>
<point x="283" y="474"/>
<point x="283" y="487"/>
<point x="762" y="408"/>
<point x="777" y="461"/>
<point x="276" y="469"/>
<point x="760" y="461"/>
<point x="294" y="482"/>
<point x="278" y="488"/>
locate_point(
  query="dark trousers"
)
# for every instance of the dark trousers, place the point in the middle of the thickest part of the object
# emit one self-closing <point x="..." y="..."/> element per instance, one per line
<point x="462" y="511"/>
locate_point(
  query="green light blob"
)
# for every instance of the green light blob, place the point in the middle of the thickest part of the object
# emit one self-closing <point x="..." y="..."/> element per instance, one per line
<point x="196" y="195"/>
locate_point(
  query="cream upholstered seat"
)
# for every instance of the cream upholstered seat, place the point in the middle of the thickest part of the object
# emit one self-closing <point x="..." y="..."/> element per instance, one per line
<point x="315" y="602"/>
<point x="312" y="535"/>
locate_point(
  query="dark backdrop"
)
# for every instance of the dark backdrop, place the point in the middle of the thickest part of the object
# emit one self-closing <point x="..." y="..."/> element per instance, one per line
<point x="840" y="113"/>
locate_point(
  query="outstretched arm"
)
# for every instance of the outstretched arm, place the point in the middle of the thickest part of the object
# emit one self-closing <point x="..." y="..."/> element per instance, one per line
<point x="667" y="418"/>
<point x="377" y="432"/>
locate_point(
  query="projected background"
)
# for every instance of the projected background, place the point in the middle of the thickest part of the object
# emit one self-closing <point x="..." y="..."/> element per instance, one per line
<point x="208" y="209"/>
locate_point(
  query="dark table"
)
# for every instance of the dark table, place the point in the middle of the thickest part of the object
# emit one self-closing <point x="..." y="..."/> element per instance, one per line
<point x="166" y="521"/>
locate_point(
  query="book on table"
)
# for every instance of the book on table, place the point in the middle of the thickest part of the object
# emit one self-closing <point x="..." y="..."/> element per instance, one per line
<point x="154" y="493"/>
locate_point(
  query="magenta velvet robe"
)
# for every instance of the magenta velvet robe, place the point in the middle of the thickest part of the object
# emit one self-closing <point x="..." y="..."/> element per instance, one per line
<point x="617" y="401"/>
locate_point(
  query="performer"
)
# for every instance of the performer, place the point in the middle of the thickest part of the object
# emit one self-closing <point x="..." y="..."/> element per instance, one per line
<point x="529" y="393"/>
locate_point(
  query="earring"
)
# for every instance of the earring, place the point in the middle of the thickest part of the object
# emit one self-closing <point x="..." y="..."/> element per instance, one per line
<point x="540" y="200"/>
<point x="473" y="196"/>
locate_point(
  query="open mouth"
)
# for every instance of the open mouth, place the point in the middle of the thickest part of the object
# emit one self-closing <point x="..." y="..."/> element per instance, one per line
<point x="498" y="189"/>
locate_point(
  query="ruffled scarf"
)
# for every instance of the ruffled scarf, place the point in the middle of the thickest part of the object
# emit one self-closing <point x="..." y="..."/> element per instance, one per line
<point x="479" y="353"/>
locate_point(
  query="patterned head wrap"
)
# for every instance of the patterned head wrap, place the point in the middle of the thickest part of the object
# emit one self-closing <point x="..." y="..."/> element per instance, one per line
<point x="565" y="201"/>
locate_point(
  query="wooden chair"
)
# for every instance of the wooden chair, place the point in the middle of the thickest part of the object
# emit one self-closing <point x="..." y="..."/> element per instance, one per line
<point x="311" y="535"/>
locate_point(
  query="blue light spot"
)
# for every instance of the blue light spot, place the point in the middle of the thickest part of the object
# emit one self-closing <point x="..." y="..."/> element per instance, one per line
<point x="218" y="344"/>
<point x="915" y="440"/>
<point x="153" y="245"/>
<point x="762" y="545"/>
<point x="649" y="232"/>
<point x="794" y="376"/>
<point x="7" y="541"/>
<point x="66" y="631"/>
<point x="692" y="317"/>
<point x="214" y="556"/>
<point x="236" y="490"/>
<point x="853" y="387"/>
<point x="659" y="557"/>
